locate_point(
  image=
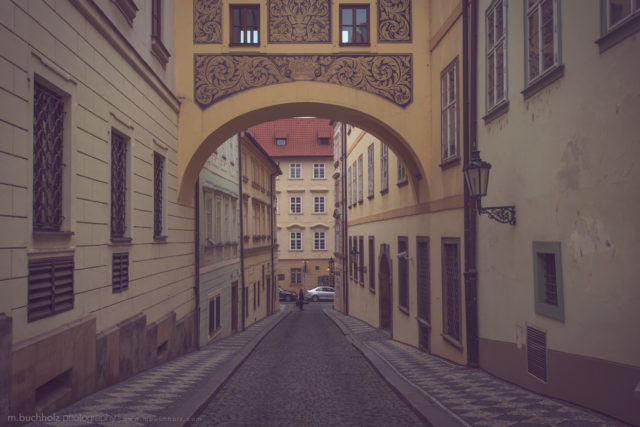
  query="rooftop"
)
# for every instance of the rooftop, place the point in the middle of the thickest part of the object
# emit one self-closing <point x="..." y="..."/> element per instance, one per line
<point x="297" y="137"/>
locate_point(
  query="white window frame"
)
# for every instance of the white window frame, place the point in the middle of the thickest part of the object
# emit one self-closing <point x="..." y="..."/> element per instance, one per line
<point x="634" y="9"/>
<point x="449" y="114"/>
<point x="295" y="240"/>
<point x="319" y="241"/>
<point x="360" y="179"/>
<point x="496" y="47"/>
<point x="319" y="205"/>
<point x="349" y="186"/>
<point x="318" y="171"/>
<point x="295" y="204"/>
<point x="384" y="167"/>
<point x="536" y="8"/>
<point x="295" y="171"/>
<point x="370" y="171"/>
<point x="402" y="173"/>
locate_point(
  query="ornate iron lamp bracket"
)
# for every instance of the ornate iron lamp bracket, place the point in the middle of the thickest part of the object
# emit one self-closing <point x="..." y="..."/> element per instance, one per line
<point x="502" y="214"/>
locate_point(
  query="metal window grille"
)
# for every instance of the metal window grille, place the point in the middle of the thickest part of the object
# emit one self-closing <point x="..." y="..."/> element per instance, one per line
<point x="370" y="176"/>
<point x="158" y="166"/>
<point x="451" y="290"/>
<point x="50" y="287"/>
<point x="48" y="122"/>
<point x="118" y="184"/>
<point x="537" y="353"/>
<point x="424" y="294"/>
<point x="212" y="316"/>
<point x="548" y="264"/>
<point x="372" y="263"/>
<point x="218" y="312"/>
<point x="403" y="272"/>
<point x="360" y="183"/>
<point x="120" y="272"/>
<point x="384" y="168"/>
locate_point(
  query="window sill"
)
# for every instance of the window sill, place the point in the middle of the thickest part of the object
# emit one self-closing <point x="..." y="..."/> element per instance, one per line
<point x="496" y="111"/>
<point x="385" y="191"/>
<point x="402" y="183"/>
<point x="372" y="291"/>
<point x="542" y="82"/>
<point x="121" y="240"/>
<point x="160" y="51"/>
<point x="423" y="322"/>
<point x="404" y="310"/>
<point x="367" y="44"/>
<point x="450" y="162"/>
<point x="160" y="238"/>
<point x="319" y="213"/>
<point x="619" y="33"/>
<point x="238" y="44"/>
<point x="370" y="196"/>
<point x="44" y="234"/>
<point x="451" y="340"/>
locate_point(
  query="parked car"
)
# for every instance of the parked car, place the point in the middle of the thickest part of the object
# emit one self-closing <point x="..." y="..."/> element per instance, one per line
<point x="287" y="295"/>
<point x="321" y="293"/>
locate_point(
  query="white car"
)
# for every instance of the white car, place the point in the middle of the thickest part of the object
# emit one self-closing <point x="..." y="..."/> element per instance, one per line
<point x="320" y="293"/>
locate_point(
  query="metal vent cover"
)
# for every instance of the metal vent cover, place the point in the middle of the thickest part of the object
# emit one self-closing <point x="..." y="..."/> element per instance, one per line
<point x="537" y="353"/>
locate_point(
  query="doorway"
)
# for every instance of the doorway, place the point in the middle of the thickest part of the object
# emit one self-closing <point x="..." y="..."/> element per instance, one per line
<point x="234" y="307"/>
<point x="384" y="278"/>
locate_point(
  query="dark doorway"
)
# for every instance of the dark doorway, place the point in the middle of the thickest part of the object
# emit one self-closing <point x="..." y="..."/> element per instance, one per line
<point x="384" y="277"/>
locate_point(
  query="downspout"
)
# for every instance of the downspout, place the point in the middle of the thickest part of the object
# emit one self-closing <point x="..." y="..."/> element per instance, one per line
<point x="345" y="255"/>
<point x="241" y="210"/>
<point x="273" y="241"/>
<point x="197" y="265"/>
<point x="470" y="73"/>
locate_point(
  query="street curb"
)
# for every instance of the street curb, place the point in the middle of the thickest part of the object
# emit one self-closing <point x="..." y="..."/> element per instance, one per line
<point x="425" y="407"/>
<point x="207" y="390"/>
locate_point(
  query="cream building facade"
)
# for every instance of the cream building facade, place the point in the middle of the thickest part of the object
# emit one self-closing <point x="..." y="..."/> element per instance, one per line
<point x="97" y="255"/>
<point x="304" y="193"/>
<point x="558" y="292"/>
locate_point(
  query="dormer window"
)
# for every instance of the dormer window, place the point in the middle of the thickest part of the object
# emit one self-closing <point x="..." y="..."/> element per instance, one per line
<point x="323" y="141"/>
<point x="281" y="142"/>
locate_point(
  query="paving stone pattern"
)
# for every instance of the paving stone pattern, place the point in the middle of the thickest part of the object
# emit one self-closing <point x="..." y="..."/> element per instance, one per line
<point x="305" y="373"/>
<point x="475" y="397"/>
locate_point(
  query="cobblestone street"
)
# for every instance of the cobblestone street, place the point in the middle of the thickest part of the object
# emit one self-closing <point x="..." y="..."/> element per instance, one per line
<point x="306" y="373"/>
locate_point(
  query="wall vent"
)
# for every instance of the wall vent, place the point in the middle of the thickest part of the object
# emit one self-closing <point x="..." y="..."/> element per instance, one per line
<point x="537" y="353"/>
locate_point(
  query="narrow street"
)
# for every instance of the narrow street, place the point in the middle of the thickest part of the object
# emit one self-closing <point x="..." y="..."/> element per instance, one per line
<point x="305" y="373"/>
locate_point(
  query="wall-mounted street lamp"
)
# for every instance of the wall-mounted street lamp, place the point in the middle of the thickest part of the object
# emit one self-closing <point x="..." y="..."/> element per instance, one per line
<point x="476" y="174"/>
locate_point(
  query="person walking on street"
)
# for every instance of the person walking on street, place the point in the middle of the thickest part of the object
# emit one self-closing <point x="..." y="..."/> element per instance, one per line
<point x="301" y="300"/>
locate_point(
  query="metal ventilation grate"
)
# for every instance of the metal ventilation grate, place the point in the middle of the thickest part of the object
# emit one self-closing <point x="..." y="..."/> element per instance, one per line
<point x="537" y="353"/>
<point x="50" y="287"/>
<point x="120" y="272"/>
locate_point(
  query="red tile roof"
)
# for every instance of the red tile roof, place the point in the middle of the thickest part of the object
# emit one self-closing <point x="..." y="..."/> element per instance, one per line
<point x="302" y="137"/>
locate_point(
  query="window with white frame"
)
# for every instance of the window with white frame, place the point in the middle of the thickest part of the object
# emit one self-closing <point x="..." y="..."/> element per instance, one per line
<point x="360" y="181"/>
<point x="319" y="241"/>
<point x="402" y="173"/>
<point x="449" y="102"/>
<point x="349" y="186"/>
<point x="295" y="241"/>
<point x="619" y="11"/>
<point x="295" y="204"/>
<point x="318" y="171"/>
<point x="370" y="173"/>
<point x="281" y="142"/>
<point x="295" y="171"/>
<point x="296" y="276"/>
<point x="542" y="37"/>
<point x="318" y="205"/>
<point x="496" y="21"/>
<point x="218" y="219"/>
<point x="384" y="168"/>
<point x="208" y="208"/>
<point x="354" y="183"/>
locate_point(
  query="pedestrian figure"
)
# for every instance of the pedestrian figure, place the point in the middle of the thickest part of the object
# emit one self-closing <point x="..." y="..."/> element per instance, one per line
<point x="300" y="299"/>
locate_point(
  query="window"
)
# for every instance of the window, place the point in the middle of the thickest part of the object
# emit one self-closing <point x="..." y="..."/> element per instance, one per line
<point x="119" y="272"/>
<point x="318" y="171"/>
<point x="158" y="174"/>
<point x="295" y="204"/>
<point x="255" y="293"/>
<point x="296" y="276"/>
<point x="619" y="11"/>
<point x="496" y="53"/>
<point x="361" y="259"/>
<point x="156" y="19"/>
<point x="372" y="264"/>
<point x="280" y="276"/>
<point x="354" y="183"/>
<point x="323" y="140"/>
<point x="318" y="205"/>
<point x="619" y="20"/>
<point x="218" y="219"/>
<point x="208" y="213"/>
<point x="319" y="241"/>
<point x="245" y="24"/>
<point x="542" y="38"/>
<point x="354" y="24"/>
<point x="423" y="292"/>
<point x="214" y="315"/>
<point x="402" y="173"/>
<point x="370" y="175"/>
<point x="449" y="102"/>
<point x="384" y="168"/>
<point x="360" y="183"/>
<point x="351" y="256"/>
<point x="349" y="186"/>
<point x="295" y="171"/>
<point x="50" y="287"/>
<point x="48" y="117"/>
<point x="354" y="258"/>
<point x="281" y="142"/>
<point x="403" y="273"/>
<point x="547" y="273"/>
<point x="295" y="241"/>
<point x="118" y="185"/>
<point x="451" y="315"/>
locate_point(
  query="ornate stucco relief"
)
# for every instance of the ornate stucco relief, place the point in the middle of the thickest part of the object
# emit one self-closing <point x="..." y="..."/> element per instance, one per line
<point x="299" y="21"/>
<point x="207" y="21"/>
<point x="219" y="76"/>
<point x="394" y="21"/>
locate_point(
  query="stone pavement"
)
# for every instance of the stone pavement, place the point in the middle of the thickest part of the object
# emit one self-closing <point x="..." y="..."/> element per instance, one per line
<point x="171" y="393"/>
<point x="449" y="394"/>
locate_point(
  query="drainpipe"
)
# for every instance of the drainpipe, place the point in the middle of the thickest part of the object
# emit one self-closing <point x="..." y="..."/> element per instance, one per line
<point x="470" y="74"/>
<point x="241" y="210"/>
<point x="343" y="199"/>
<point x="196" y="288"/>
<point x="273" y="239"/>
